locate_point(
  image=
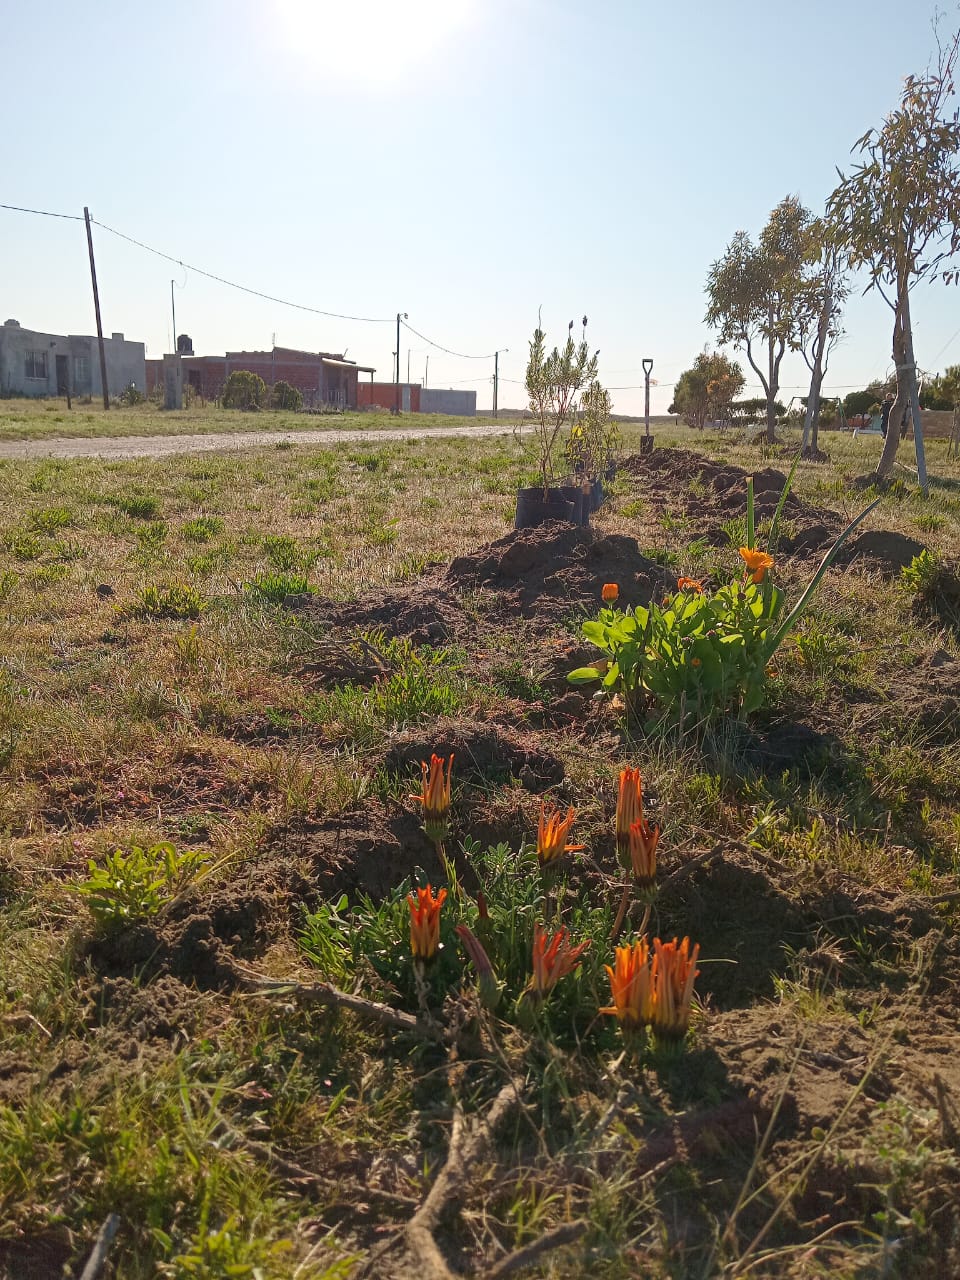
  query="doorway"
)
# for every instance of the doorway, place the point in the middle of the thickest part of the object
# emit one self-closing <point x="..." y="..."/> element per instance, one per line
<point x="63" y="375"/>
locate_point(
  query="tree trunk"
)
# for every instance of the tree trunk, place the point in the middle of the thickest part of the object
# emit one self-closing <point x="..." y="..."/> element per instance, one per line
<point x="811" y="421"/>
<point x="892" y="442"/>
<point x="771" y="386"/>
<point x="914" y="394"/>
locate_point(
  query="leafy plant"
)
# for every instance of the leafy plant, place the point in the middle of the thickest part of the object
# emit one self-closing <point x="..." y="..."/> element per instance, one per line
<point x="201" y="528"/>
<point x="922" y="575"/>
<point x="554" y="380"/>
<point x="140" y="506"/>
<point x="140" y="884"/>
<point x="178" y="600"/>
<point x="700" y="654"/>
<point x="273" y="588"/>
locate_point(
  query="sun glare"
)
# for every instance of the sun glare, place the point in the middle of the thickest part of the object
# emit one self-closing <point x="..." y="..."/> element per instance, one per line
<point x="368" y="42"/>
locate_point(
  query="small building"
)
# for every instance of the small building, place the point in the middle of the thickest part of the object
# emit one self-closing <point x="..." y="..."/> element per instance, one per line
<point x="324" y="379"/>
<point x="412" y="397"/>
<point x="49" y="364"/>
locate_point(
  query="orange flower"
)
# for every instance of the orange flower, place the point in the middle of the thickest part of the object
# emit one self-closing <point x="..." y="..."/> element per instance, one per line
<point x="689" y="584"/>
<point x="435" y="796"/>
<point x="553" y="959"/>
<point x="425" y="922"/>
<point x="631" y="986"/>
<point x="757" y="562"/>
<point x="674" y="971"/>
<point x="696" y="662"/>
<point x="552" y="835"/>
<point x="644" y="839"/>
<point x="629" y="811"/>
<point x="610" y="592"/>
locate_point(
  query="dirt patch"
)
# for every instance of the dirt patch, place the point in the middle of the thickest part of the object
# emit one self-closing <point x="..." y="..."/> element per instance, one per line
<point x="46" y="1256"/>
<point x="925" y="700"/>
<point x="368" y="850"/>
<point x="197" y="938"/>
<point x="881" y="551"/>
<point x="550" y="570"/>
<point x="483" y="753"/>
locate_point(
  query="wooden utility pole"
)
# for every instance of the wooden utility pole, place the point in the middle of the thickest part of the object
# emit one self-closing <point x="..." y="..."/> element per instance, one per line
<point x="96" y="307"/>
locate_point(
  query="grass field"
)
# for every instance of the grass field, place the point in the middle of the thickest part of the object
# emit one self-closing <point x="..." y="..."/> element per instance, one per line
<point x="45" y="419"/>
<point x="247" y="656"/>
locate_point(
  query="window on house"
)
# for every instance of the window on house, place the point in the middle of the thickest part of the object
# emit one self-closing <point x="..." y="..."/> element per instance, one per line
<point x="36" y="365"/>
<point x="81" y="372"/>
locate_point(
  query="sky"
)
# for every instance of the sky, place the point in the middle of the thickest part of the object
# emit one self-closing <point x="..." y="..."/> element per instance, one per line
<point x="471" y="163"/>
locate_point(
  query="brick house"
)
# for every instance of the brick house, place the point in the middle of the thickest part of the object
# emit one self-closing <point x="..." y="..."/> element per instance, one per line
<point x="325" y="380"/>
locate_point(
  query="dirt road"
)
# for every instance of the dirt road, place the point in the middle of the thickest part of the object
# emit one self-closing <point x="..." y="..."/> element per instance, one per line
<point x="118" y="447"/>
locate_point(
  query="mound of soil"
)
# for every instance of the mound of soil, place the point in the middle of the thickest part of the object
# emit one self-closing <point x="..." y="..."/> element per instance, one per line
<point x="881" y="551"/>
<point x="483" y="753"/>
<point x="196" y="938"/>
<point x="549" y="570"/>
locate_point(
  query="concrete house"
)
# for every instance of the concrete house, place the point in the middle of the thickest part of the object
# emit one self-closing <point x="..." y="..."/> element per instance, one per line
<point x="49" y="364"/>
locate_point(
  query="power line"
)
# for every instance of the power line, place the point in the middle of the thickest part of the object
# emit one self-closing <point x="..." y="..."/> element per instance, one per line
<point x="43" y="213"/>
<point x="459" y="354"/>
<point x="231" y="284"/>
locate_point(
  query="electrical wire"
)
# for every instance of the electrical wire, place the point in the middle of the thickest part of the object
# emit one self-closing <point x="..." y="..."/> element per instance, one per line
<point x="43" y="213"/>
<point x="459" y="354"/>
<point x="231" y="284"/>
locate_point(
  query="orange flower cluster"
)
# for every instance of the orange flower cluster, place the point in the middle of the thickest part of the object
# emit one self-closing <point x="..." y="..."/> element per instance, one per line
<point x="425" y="922"/>
<point x="610" y="593"/>
<point x="553" y="959"/>
<point x="435" y="796"/>
<point x="655" y="991"/>
<point x="552" y="835"/>
<point x="637" y="839"/>
<point x="757" y="562"/>
<point x="689" y="584"/>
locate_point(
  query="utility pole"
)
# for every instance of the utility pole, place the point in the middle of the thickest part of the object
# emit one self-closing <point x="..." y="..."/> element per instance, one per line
<point x="408" y="365"/>
<point x="426" y="370"/>
<point x="96" y="307"/>
<point x="496" y="379"/>
<point x="173" y="308"/>
<point x="396" y="408"/>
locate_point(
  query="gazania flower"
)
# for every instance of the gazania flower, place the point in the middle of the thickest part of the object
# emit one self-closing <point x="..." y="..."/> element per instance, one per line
<point x="629" y="811"/>
<point x="425" y="922"/>
<point x="610" y="592"/>
<point x="552" y="835"/>
<point x="486" y="978"/>
<point x="435" y="796"/>
<point x="674" y="971"/>
<point x="689" y="584"/>
<point x="757" y="562"/>
<point x="644" y="839"/>
<point x="631" y="986"/>
<point x="553" y="959"/>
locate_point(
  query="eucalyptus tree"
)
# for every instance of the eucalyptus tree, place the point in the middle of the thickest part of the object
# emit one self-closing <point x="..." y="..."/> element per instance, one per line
<point x="759" y="296"/>
<point x="828" y="293"/>
<point x="897" y="215"/>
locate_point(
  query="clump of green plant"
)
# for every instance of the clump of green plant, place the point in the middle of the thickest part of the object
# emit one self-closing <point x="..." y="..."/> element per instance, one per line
<point x="273" y="588"/>
<point x="284" y="396"/>
<point x="177" y="600"/>
<point x="139" y="506"/>
<point x="201" y="528"/>
<point x="921" y="576"/>
<point x="700" y="654"/>
<point x="51" y="519"/>
<point x="139" y="884"/>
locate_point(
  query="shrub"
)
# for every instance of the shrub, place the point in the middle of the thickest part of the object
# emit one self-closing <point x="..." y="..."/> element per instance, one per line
<point x="139" y="506"/>
<point x="273" y="588"/>
<point x="244" y="390"/>
<point x="202" y="528"/>
<point x="286" y="397"/>
<point x="130" y="395"/>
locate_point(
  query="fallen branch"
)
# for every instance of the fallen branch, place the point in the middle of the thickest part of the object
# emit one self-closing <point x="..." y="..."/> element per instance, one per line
<point x="466" y="1147"/>
<point x="101" y="1247"/>
<point x="566" y="1233"/>
<point x="325" y="993"/>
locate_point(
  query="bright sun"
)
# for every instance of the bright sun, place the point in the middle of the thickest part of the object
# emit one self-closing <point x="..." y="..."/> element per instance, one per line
<point x="371" y="42"/>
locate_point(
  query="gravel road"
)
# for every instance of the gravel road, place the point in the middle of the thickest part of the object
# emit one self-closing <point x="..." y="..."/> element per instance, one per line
<point x="117" y="447"/>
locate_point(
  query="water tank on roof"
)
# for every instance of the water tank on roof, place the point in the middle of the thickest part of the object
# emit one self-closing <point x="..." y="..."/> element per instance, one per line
<point x="184" y="345"/>
<point x="11" y="324"/>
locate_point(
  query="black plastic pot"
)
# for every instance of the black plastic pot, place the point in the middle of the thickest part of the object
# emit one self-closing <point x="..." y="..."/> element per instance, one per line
<point x="533" y="509"/>
<point x="579" y="501"/>
<point x="597" y="495"/>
